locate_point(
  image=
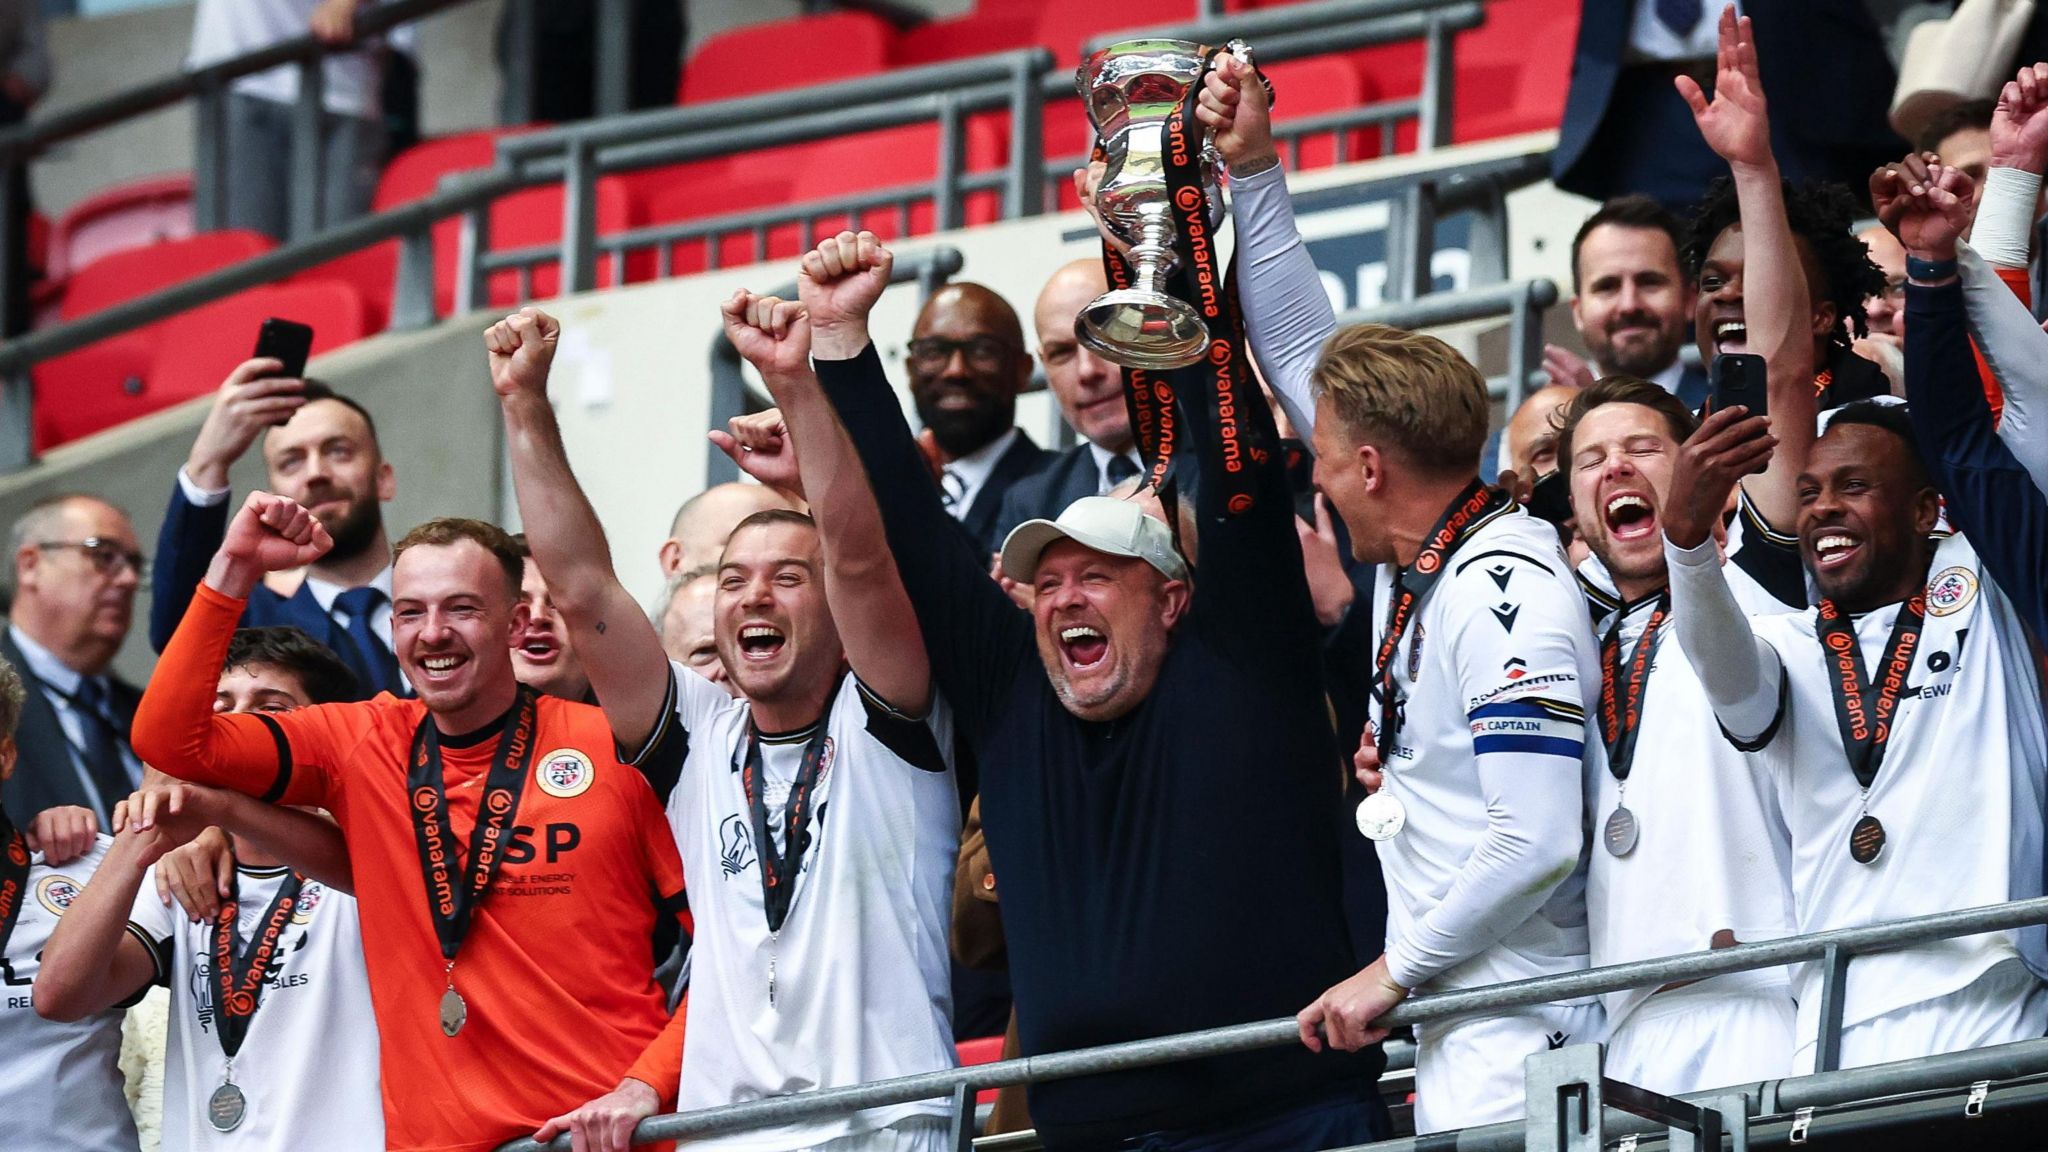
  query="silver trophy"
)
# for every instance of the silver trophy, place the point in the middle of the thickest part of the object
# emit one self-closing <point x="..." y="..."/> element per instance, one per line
<point x="1131" y="90"/>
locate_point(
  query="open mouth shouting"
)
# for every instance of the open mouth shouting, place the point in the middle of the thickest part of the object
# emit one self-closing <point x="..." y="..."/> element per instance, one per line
<point x="1833" y="547"/>
<point x="1731" y="337"/>
<point x="540" y="648"/>
<point x="761" y="643"/>
<point x="1629" y="516"/>
<point x="1082" y="646"/>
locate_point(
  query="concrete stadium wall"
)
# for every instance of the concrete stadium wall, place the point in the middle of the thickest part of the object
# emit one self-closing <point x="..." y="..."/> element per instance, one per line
<point x="632" y="383"/>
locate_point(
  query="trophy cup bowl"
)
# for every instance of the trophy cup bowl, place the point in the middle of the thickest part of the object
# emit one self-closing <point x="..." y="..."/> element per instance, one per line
<point x="1131" y="89"/>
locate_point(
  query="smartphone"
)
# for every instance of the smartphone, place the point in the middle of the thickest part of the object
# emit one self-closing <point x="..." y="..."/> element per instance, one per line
<point x="1551" y="497"/>
<point x="287" y="341"/>
<point x="1739" y="378"/>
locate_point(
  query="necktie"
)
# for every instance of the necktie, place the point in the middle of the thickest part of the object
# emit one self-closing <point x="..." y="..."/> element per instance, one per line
<point x="1681" y="16"/>
<point x="100" y="747"/>
<point x="374" y="659"/>
<point x="1118" y="470"/>
<point x="953" y="490"/>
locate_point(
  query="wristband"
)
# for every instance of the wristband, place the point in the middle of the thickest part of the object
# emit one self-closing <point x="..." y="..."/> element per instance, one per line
<point x="1929" y="271"/>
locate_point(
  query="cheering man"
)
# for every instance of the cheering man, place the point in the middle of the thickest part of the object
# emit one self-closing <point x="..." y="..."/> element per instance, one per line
<point x="510" y="869"/>
<point x="818" y="808"/>
<point x="271" y="1030"/>
<point x="1858" y="710"/>
<point x="1158" y="779"/>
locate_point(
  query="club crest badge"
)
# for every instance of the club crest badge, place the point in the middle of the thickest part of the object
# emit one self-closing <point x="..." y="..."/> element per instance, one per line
<point x="1950" y="591"/>
<point x="57" y="893"/>
<point x="565" y="773"/>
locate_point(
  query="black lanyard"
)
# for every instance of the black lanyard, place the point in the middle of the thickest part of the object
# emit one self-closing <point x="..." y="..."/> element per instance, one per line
<point x="451" y="905"/>
<point x="1622" y="686"/>
<point x="239" y="975"/>
<point x="1864" y="709"/>
<point x="1411" y="583"/>
<point x="13" y="878"/>
<point x="779" y="870"/>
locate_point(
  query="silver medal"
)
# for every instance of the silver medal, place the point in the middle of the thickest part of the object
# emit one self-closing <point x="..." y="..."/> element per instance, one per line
<point x="1381" y="816"/>
<point x="226" y="1107"/>
<point x="454" y="1013"/>
<point x="1620" y="833"/>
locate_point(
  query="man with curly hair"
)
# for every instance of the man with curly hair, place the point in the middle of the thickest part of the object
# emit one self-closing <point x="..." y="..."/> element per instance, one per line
<point x="1839" y="277"/>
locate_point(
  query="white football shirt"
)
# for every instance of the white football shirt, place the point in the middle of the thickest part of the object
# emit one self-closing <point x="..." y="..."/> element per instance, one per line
<point x="860" y="969"/>
<point x="1959" y="792"/>
<point x="308" y="1063"/>
<point x="1499" y="660"/>
<point x="60" y="1084"/>
<point x="1712" y="854"/>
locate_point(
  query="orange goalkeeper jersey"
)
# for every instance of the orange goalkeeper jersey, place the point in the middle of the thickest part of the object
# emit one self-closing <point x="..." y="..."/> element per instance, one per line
<point x="557" y="968"/>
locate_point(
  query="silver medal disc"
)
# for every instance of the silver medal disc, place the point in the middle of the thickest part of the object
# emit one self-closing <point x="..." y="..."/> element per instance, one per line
<point x="225" y="1108"/>
<point x="454" y="1013"/>
<point x="1620" y="833"/>
<point x="1381" y="816"/>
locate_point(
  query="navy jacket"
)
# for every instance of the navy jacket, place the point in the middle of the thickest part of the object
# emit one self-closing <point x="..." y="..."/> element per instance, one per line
<point x="1023" y="458"/>
<point x="1045" y="494"/>
<point x="45" y="775"/>
<point x="184" y="548"/>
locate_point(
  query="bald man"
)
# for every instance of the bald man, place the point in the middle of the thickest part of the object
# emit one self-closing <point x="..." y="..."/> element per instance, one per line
<point x="967" y="365"/>
<point x="1530" y="444"/>
<point x="685" y="625"/>
<point x="1090" y="391"/>
<point x="697" y="535"/>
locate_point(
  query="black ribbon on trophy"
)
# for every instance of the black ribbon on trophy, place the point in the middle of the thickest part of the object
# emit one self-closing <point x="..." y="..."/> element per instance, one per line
<point x="1171" y="306"/>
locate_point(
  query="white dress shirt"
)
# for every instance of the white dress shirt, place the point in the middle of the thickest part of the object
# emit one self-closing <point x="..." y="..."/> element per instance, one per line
<point x="60" y="684"/>
<point x="966" y="475"/>
<point x="1649" y="38"/>
<point x="1102" y="456"/>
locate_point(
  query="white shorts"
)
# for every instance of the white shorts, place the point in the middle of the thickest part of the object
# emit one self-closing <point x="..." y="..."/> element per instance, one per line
<point x="1469" y="1071"/>
<point x="2005" y="1004"/>
<point x="1702" y="1036"/>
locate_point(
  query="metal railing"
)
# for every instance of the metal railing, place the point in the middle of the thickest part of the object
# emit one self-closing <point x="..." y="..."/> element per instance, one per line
<point x="1834" y="948"/>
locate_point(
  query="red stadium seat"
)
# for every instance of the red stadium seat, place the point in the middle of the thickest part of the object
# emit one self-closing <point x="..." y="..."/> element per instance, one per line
<point x="96" y="387"/>
<point x="893" y="157"/>
<point x="1514" y="70"/>
<point x="528" y="217"/>
<point x="986" y="1050"/>
<point x="978" y="33"/>
<point x="792" y="53"/>
<point x="131" y="215"/>
<point x="125" y="275"/>
<point x="1312" y="87"/>
<point x="416" y="172"/>
<point x="1064" y="25"/>
<point x="210" y="340"/>
<point x="697" y="200"/>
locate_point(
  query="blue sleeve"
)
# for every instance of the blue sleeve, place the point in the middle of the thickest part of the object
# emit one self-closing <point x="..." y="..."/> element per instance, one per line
<point x="1989" y="496"/>
<point x="184" y="547"/>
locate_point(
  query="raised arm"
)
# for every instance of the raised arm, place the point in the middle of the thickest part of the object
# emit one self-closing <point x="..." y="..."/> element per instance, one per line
<point x="1741" y="672"/>
<point x="619" y="649"/>
<point x="975" y="637"/>
<point x="877" y="626"/>
<point x="1774" y="288"/>
<point x="309" y="842"/>
<point x="1287" y="314"/>
<point x="92" y="962"/>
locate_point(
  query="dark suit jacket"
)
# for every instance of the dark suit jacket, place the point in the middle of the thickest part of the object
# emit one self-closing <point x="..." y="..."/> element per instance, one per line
<point x="185" y="546"/>
<point x="1022" y="459"/>
<point x="45" y="776"/>
<point x="1045" y="494"/>
<point x="1825" y="73"/>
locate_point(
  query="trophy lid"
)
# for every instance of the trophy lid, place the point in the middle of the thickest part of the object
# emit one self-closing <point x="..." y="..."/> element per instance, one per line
<point x="1138" y="80"/>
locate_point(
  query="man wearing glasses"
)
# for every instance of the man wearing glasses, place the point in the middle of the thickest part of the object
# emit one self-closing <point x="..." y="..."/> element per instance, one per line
<point x="967" y="365"/>
<point x="76" y="568"/>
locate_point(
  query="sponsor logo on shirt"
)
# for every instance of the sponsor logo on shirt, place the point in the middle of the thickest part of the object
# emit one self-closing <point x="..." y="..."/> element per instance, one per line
<point x="565" y="773"/>
<point x="1951" y="591"/>
<point x="735" y="846"/>
<point x="1521" y="685"/>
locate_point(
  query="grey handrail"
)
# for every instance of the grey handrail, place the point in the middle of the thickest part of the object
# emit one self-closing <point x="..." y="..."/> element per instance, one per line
<point x="1279" y="1033"/>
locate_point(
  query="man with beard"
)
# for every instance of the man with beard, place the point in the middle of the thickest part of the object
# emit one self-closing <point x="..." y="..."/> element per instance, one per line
<point x="967" y="365"/>
<point x="1630" y="301"/>
<point x="76" y="567"/>
<point x="1090" y="391"/>
<point x="321" y="451"/>
<point x="817" y="808"/>
<point x="1158" y="774"/>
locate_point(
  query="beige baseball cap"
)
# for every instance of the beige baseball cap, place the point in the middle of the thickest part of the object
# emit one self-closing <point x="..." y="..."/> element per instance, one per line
<point x="1104" y="523"/>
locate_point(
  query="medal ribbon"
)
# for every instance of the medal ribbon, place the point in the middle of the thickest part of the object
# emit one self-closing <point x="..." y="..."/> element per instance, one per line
<point x="1864" y="709"/>
<point x="13" y="877"/>
<point x="779" y="870"/>
<point x="1622" y="687"/>
<point x="1475" y="504"/>
<point x="238" y="980"/>
<point x="452" y="904"/>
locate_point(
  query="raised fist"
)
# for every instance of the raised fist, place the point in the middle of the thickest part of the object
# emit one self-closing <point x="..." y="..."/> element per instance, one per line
<point x="272" y="533"/>
<point x="773" y="334"/>
<point x="1925" y="204"/>
<point x="2019" y="125"/>
<point x="761" y="446"/>
<point x="840" y="282"/>
<point x="522" y="347"/>
<point x="1235" y="106"/>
